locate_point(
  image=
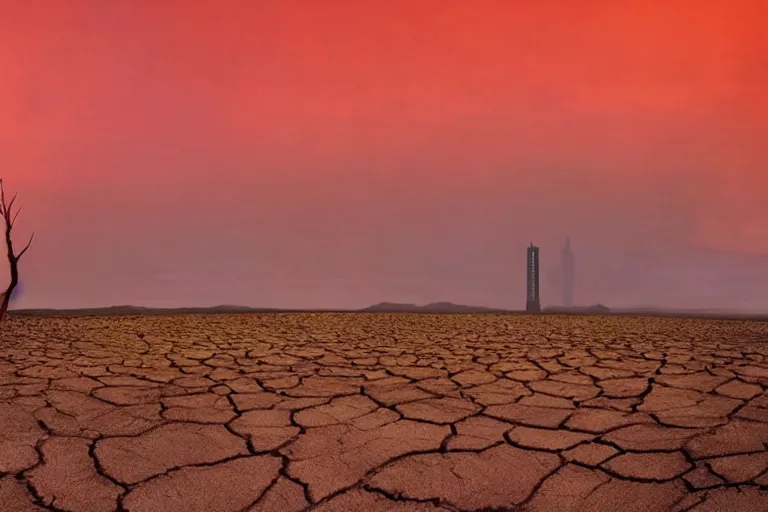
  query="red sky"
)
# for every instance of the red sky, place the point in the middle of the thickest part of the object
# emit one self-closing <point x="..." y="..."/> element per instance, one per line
<point x="337" y="153"/>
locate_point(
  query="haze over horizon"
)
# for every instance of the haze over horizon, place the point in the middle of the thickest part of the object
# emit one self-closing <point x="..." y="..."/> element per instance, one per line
<point x="297" y="155"/>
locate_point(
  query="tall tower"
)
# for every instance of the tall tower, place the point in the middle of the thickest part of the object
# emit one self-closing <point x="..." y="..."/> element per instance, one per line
<point x="532" y="304"/>
<point x="567" y="267"/>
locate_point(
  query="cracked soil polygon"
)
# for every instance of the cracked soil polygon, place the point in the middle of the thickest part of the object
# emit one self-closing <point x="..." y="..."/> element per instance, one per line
<point x="380" y="412"/>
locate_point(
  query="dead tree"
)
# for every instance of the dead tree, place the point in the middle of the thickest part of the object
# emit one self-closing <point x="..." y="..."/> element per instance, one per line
<point x="9" y="217"/>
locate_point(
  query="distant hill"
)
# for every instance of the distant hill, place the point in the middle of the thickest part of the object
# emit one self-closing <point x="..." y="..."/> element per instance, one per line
<point x="138" y="310"/>
<point x="434" y="307"/>
<point x="390" y="307"/>
<point x="126" y="310"/>
<point x="394" y="307"/>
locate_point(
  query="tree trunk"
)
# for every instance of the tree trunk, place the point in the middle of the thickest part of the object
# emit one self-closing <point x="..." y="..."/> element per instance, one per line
<point x="6" y="211"/>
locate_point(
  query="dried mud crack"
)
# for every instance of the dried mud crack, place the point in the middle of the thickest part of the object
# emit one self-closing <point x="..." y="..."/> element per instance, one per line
<point x="378" y="413"/>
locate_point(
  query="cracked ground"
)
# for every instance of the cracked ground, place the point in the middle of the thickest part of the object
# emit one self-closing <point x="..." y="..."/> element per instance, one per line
<point x="347" y="412"/>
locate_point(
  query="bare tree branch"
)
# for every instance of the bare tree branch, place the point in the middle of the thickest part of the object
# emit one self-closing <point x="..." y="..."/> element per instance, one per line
<point x="26" y="247"/>
<point x="13" y="221"/>
<point x="10" y="205"/>
<point x="13" y="259"/>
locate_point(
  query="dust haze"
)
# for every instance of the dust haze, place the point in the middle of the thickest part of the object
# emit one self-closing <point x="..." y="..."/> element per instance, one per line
<point x="331" y="158"/>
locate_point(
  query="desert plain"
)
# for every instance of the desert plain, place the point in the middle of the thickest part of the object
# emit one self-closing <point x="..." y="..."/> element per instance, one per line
<point x="383" y="412"/>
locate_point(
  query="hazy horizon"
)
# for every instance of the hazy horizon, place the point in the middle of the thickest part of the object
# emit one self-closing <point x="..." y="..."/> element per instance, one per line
<point x="296" y="155"/>
<point x="546" y="308"/>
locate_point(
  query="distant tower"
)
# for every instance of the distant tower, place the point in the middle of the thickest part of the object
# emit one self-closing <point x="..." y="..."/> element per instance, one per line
<point x="567" y="266"/>
<point x="532" y="304"/>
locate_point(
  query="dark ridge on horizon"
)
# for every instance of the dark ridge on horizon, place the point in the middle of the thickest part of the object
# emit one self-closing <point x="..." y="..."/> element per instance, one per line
<point x="124" y="310"/>
<point x="394" y="307"/>
<point x="434" y="307"/>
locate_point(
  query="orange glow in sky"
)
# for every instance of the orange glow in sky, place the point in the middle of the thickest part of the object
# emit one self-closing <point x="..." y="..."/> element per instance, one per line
<point x="323" y="147"/>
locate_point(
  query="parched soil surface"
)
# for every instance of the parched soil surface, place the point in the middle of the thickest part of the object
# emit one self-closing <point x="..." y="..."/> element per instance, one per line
<point x="380" y="412"/>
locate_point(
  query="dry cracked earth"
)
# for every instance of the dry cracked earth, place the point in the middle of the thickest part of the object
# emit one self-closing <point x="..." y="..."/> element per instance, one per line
<point x="335" y="412"/>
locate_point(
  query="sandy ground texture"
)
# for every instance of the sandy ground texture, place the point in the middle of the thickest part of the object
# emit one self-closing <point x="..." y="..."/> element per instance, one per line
<point x="378" y="412"/>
